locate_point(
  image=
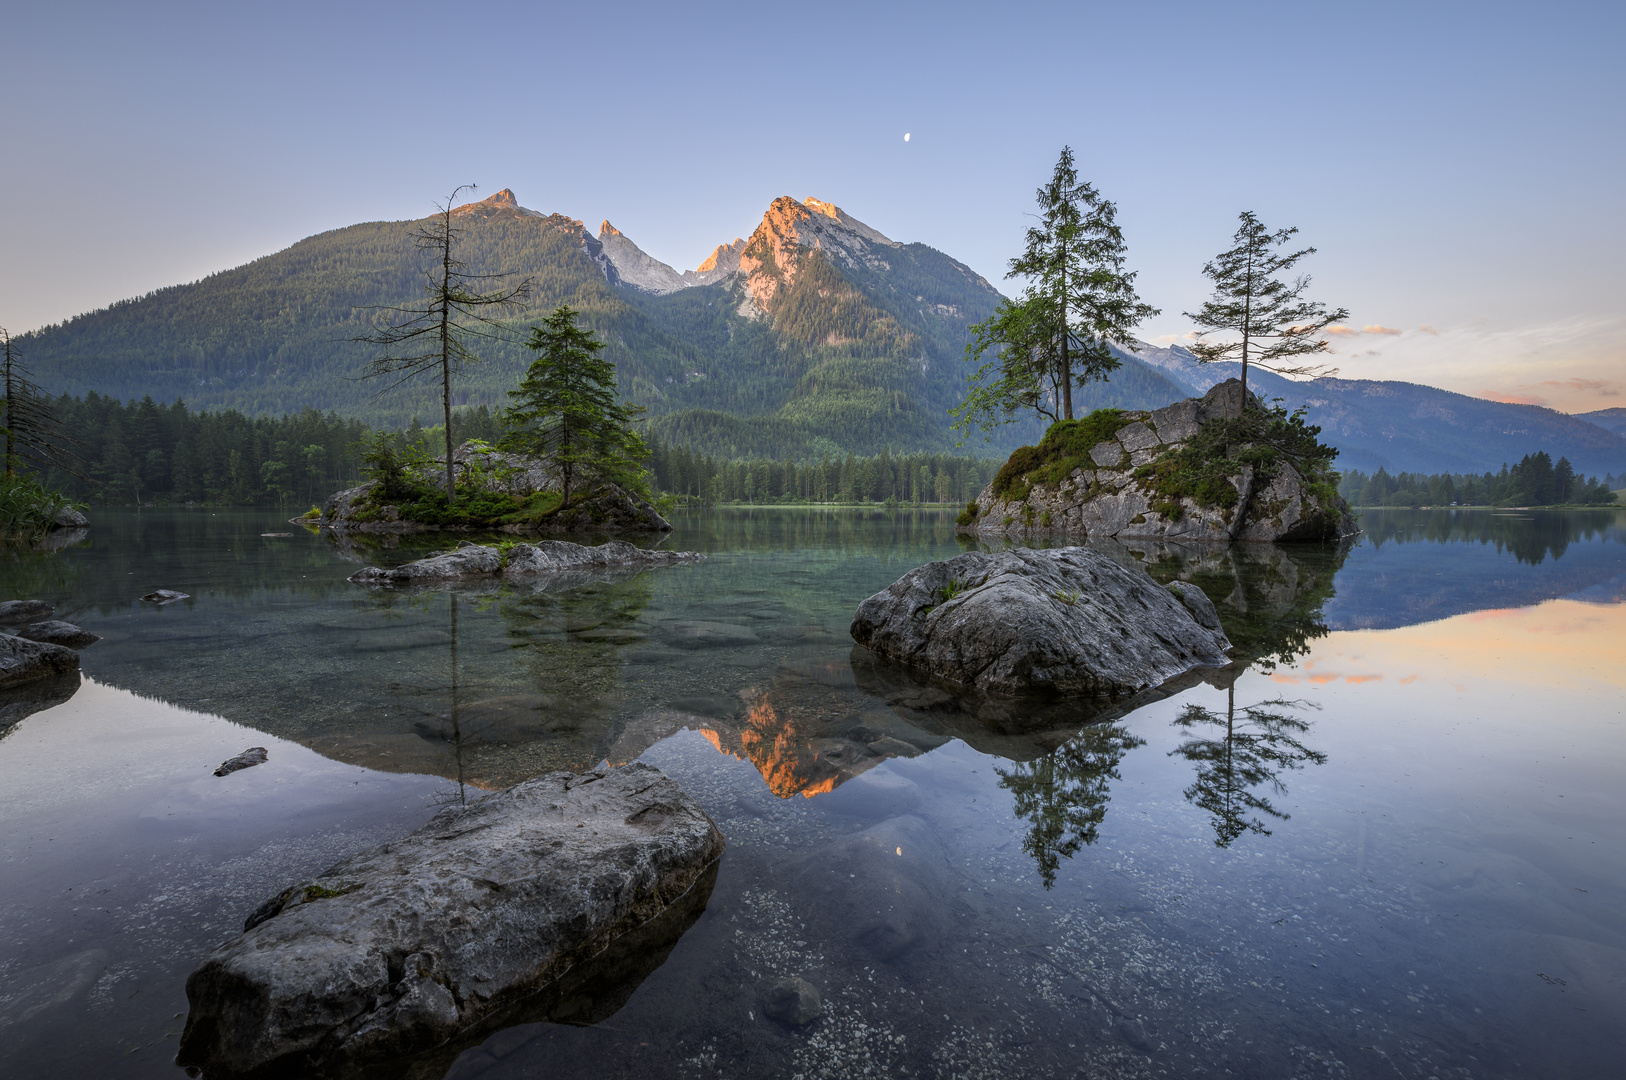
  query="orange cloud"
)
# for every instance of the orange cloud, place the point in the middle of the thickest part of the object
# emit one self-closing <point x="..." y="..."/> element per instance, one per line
<point x="1378" y="328"/>
<point x="1596" y="387"/>
<point x="1514" y="398"/>
<point x="1427" y="329"/>
<point x="1342" y="331"/>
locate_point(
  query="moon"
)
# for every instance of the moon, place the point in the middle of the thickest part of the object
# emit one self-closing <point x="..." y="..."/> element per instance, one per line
<point x="905" y="136"/>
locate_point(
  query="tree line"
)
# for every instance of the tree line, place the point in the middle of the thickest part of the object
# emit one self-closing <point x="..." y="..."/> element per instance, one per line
<point x="1535" y="481"/>
<point x="880" y="478"/>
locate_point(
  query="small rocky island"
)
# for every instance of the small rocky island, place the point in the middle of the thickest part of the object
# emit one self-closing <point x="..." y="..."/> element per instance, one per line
<point x="519" y="561"/>
<point x="1067" y="622"/>
<point x="498" y="491"/>
<point x="1201" y="469"/>
<point x="544" y="901"/>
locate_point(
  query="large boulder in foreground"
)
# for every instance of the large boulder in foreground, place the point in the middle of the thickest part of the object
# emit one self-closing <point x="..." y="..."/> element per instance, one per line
<point x="24" y="661"/>
<point x="1122" y="475"/>
<point x="522" y="561"/>
<point x="1064" y="622"/>
<point x="526" y="905"/>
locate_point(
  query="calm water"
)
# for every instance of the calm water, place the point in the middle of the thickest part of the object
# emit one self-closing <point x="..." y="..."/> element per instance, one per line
<point x="1386" y="842"/>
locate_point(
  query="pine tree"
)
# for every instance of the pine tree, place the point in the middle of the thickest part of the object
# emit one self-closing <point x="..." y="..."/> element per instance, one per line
<point x="566" y="408"/>
<point x="1273" y="320"/>
<point x="435" y="336"/>
<point x="1060" y="331"/>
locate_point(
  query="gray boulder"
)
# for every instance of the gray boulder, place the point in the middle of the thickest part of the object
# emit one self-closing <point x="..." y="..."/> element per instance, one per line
<point x="409" y="950"/>
<point x="1109" y="494"/>
<point x="69" y="518"/>
<point x="13" y="612"/>
<point x="165" y="596"/>
<point x="24" y="661"/>
<point x="1068" y="622"/>
<point x="56" y="632"/>
<point x="523" y="561"/>
<point x="254" y="755"/>
<point x="792" y="1000"/>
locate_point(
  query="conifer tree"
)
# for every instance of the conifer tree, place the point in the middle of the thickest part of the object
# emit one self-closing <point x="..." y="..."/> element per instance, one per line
<point x="1060" y="331"/>
<point x="1272" y="320"/>
<point x="566" y="408"/>
<point x="435" y="336"/>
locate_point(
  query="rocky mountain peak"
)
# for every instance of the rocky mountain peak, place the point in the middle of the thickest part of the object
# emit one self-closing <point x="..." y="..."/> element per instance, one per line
<point x="504" y="202"/>
<point x="606" y="229"/>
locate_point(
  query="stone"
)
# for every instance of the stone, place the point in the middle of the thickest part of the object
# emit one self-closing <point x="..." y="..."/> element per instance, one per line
<point x="886" y="889"/>
<point x="254" y="755"/>
<point x="69" y="518"/>
<point x="13" y="612"/>
<point x="1067" y="622"/>
<point x="24" y="661"/>
<point x="792" y="1001"/>
<point x="607" y="508"/>
<point x="165" y="596"/>
<point x="522" y="905"/>
<point x="701" y="634"/>
<point x="56" y="632"/>
<point x="1110" y="501"/>
<point x="550" y="557"/>
<point x="22" y="700"/>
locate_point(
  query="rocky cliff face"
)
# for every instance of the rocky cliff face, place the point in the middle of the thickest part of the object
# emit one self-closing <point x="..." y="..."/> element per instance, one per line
<point x="1121" y="486"/>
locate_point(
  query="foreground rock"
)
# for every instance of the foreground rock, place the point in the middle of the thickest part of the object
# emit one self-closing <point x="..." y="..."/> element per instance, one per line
<point x="23" y="661"/>
<point x="57" y="632"/>
<point x="523" y="560"/>
<point x="13" y="612"/>
<point x="254" y="755"/>
<point x="1067" y="622"/>
<point x="520" y="906"/>
<point x="1115" y="490"/>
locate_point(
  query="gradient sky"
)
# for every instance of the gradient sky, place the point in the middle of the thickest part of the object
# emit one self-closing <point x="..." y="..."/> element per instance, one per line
<point x="1458" y="166"/>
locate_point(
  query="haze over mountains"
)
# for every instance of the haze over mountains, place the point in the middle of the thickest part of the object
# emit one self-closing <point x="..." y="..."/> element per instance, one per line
<point x="815" y="334"/>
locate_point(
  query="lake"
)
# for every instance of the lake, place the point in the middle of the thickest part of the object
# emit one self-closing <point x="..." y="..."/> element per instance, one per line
<point x="1385" y="842"/>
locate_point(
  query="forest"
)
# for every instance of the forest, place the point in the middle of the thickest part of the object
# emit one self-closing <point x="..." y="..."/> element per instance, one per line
<point x="1535" y="481"/>
<point x="146" y="452"/>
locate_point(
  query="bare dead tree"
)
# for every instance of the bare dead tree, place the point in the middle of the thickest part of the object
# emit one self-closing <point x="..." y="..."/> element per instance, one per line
<point x="33" y="435"/>
<point x="435" y="335"/>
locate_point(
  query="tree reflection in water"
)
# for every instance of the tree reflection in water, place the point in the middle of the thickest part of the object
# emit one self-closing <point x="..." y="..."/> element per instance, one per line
<point x="1065" y="794"/>
<point x="1256" y="745"/>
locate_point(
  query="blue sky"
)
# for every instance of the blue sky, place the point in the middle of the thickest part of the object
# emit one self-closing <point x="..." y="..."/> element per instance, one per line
<point x="1458" y="166"/>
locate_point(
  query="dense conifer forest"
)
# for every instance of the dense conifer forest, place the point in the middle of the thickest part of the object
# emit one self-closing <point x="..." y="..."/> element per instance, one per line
<point x="1535" y="481"/>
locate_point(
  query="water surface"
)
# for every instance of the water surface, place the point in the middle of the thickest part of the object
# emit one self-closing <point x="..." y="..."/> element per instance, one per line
<point x="1383" y="842"/>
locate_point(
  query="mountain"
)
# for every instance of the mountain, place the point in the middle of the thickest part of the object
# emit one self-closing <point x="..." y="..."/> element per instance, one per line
<point x="1406" y="427"/>
<point x="1610" y="419"/>
<point x="815" y="334"/>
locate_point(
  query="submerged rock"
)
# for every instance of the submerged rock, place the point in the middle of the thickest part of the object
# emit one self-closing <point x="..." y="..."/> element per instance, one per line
<point x="23" y="661"/>
<point x="165" y="596"/>
<point x="13" y="612"/>
<point x="1114" y="492"/>
<point x="523" y="560"/>
<point x="1066" y="622"/>
<point x="254" y="755"/>
<point x="520" y="903"/>
<point x="792" y="1000"/>
<point x="57" y="632"/>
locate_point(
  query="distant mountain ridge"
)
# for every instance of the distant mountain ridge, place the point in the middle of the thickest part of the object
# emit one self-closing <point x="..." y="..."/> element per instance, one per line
<point x="816" y="334"/>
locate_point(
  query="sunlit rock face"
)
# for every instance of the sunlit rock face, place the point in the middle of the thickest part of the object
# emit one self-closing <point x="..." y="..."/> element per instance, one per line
<point x="538" y="902"/>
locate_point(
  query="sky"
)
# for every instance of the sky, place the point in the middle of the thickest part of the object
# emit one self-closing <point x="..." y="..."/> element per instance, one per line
<point x="1458" y="167"/>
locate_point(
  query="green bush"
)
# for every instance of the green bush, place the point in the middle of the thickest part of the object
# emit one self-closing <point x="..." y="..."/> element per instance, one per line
<point x="26" y="508"/>
<point x="1266" y="438"/>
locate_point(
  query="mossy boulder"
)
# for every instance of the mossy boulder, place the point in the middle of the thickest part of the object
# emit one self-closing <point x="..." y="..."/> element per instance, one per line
<point x="1210" y="468"/>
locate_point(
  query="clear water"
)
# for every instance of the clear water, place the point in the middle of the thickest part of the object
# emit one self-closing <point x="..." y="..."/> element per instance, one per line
<point x="1386" y="842"/>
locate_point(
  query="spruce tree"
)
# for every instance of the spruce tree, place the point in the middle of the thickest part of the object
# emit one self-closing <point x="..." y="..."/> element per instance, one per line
<point x="1272" y="320"/>
<point x="566" y="408"/>
<point x="436" y="335"/>
<point x="1060" y="331"/>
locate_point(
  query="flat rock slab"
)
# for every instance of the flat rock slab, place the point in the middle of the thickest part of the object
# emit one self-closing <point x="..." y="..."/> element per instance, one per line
<point x="165" y="596"/>
<point x="13" y="612"/>
<point x="254" y="755"/>
<point x="551" y="557"/>
<point x="1068" y="622"/>
<point x="24" y="661"/>
<point x="508" y="903"/>
<point x="57" y="632"/>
